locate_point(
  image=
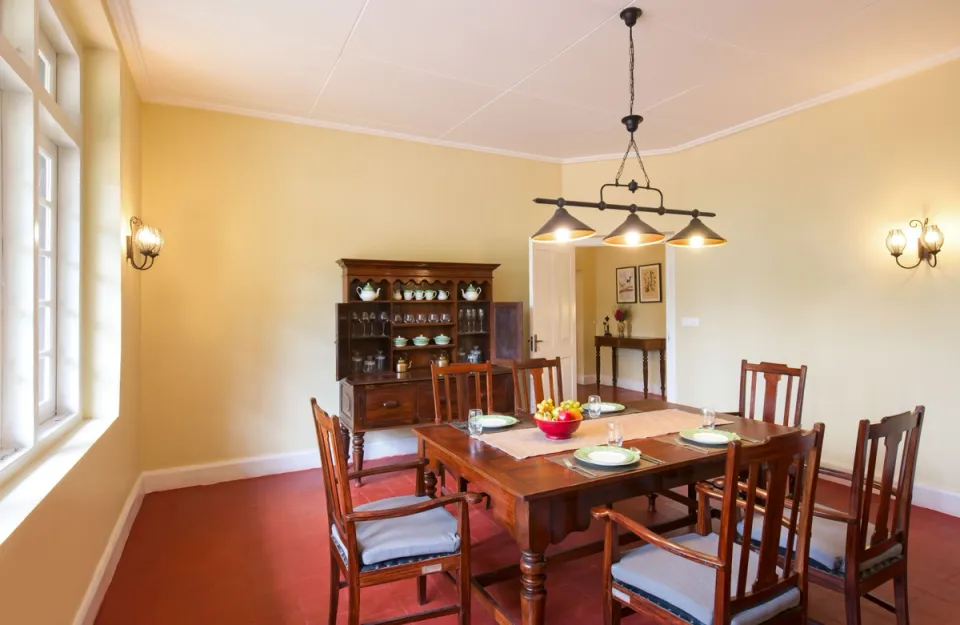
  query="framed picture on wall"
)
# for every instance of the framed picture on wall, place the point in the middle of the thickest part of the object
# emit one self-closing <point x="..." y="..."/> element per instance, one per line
<point x="650" y="290"/>
<point x="626" y="285"/>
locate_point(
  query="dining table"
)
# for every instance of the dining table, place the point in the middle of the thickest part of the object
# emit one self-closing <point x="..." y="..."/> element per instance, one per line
<point x="539" y="500"/>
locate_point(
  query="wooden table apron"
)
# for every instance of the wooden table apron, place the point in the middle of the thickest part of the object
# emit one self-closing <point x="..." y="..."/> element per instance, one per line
<point x="540" y="502"/>
<point x="643" y="344"/>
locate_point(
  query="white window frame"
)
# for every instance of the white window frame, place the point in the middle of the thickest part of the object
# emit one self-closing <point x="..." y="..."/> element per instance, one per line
<point x="47" y="55"/>
<point x="47" y="346"/>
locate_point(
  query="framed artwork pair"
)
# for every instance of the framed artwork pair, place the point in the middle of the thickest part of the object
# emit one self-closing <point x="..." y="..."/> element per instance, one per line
<point x="641" y="283"/>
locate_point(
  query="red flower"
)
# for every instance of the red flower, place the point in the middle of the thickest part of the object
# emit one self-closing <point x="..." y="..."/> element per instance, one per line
<point x="619" y="314"/>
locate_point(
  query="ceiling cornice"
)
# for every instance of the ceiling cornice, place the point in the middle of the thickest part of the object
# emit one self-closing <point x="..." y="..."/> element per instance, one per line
<point x="126" y="30"/>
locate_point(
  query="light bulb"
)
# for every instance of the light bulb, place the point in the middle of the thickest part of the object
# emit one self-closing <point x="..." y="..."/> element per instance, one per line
<point x="632" y="238"/>
<point x="562" y="234"/>
<point x="696" y="241"/>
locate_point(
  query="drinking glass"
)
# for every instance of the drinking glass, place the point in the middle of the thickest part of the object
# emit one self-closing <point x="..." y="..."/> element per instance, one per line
<point x="593" y="406"/>
<point x="364" y="317"/>
<point x="421" y="318"/>
<point x="356" y="318"/>
<point x="708" y="419"/>
<point x="615" y="434"/>
<point x="384" y="320"/>
<point x="445" y="317"/>
<point x="408" y="318"/>
<point x="474" y="424"/>
<point x="471" y="318"/>
<point x="434" y="318"/>
<point x="480" y="315"/>
<point x="398" y="318"/>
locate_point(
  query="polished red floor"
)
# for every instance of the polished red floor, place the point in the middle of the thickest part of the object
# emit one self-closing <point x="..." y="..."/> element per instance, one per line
<point x="255" y="552"/>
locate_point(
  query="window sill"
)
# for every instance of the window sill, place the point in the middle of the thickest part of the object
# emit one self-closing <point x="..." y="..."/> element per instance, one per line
<point x="37" y="471"/>
<point x="13" y="461"/>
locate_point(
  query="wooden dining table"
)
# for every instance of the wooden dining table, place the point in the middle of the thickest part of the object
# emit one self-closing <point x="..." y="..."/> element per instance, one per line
<point x="540" y="502"/>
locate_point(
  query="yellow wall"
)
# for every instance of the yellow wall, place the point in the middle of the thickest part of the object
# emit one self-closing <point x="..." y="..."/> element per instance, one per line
<point x="238" y="314"/>
<point x="599" y="266"/>
<point x="47" y="564"/>
<point x="806" y="202"/>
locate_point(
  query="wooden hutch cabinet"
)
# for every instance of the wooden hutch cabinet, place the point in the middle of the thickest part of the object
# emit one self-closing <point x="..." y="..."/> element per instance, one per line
<point x="382" y="398"/>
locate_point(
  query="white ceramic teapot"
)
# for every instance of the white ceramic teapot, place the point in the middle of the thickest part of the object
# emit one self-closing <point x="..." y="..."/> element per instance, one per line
<point x="471" y="293"/>
<point x="367" y="293"/>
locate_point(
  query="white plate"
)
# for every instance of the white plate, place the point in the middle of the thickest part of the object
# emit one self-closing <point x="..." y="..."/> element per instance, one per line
<point x="709" y="437"/>
<point x="495" y="421"/>
<point x="606" y="456"/>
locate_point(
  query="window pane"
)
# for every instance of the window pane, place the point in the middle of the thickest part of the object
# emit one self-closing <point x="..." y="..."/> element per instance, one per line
<point x="44" y="228"/>
<point x="43" y="71"/>
<point x="44" y="278"/>
<point x="45" y="328"/>
<point x="45" y="177"/>
<point x="45" y="383"/>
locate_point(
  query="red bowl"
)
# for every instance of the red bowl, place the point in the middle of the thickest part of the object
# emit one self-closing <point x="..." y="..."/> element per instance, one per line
<point x="558" y="430"/>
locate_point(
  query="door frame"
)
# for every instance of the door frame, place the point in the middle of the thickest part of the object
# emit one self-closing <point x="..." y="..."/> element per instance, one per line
<point x="670" y="302"/>
<point x="573" y="305"/>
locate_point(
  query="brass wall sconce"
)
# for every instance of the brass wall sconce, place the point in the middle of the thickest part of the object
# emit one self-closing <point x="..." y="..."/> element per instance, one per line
<point x="928" y="243"/>
<point x="146" y="240"/>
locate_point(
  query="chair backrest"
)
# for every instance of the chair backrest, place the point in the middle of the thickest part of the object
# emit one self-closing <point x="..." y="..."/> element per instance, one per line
<point x="894" y="488"/>
<point x="772" y="375"/>
<point x="460" y="373"/>
<point x="527" y="373"/>
<point x="333" y="461"/>
<point x="774" y="458"/>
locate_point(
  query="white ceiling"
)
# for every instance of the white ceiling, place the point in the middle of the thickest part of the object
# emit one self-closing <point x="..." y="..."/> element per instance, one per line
<point x="528" y="77"/>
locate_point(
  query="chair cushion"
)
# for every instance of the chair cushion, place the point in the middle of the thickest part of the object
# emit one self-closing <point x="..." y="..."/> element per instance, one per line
<point x="407" y="539"/>
<point x="685" y="588"/>
<point x="828" y="541"/>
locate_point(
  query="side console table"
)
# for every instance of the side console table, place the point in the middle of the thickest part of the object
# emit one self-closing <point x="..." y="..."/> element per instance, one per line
<point x="644" y="344"/>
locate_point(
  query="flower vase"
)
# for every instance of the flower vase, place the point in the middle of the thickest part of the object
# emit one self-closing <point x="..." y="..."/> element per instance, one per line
<point x="621" y="329"/>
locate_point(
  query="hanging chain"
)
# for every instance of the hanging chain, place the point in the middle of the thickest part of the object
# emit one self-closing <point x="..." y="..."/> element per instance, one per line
<point x="632" y="143"/>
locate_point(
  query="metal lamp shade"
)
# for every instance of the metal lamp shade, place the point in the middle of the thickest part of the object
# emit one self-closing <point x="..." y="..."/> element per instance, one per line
<point x="696" y="234"/>
<point x="633" y="232"/>
<point x="563" y="227"/>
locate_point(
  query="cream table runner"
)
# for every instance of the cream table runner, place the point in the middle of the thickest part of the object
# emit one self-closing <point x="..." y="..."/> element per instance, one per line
<point x="527" y="442"/>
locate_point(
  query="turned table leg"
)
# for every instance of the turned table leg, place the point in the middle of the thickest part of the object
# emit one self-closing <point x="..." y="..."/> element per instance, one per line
<point x="345" y="439"/>
<point x="663" y="374"/>
<point x="358" y="453"/>
<point x="645" y="359"/>
<point x="614" y="373"/>
<point x="533" y="593"/>
<point x="598" y="369"/>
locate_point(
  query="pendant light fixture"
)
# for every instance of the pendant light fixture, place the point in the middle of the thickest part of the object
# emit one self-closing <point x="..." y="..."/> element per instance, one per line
<point x="633" y="232"/>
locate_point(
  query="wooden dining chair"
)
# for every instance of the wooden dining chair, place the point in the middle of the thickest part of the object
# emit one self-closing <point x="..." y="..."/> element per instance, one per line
<point x="528" y="382"/>
<point x="390" y="539"/>
<point x="772" y="373"/>
<point x="448" y="407"/>
<point x="856" y="550"/>
<point x="707" y="577"/>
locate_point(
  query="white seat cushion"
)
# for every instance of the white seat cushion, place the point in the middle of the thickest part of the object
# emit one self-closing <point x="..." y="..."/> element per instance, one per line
<point x="687" y="587"/>
<point x="828" y="541"/>
<point x="433" y="532"/>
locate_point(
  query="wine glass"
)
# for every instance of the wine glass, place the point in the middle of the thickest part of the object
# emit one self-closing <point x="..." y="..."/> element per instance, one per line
<point x="364" y="318"/>
<point x="474" y="422"/>
<point x="708" y="419"/>
<point x="593" y="406"/>
<point x="460" y="320"/>
<point x="384" y="320"/>
<point x="471" y="319"/>
<point x="615" y="434"/>
<point x="356" y="317"/>
<point x="480" y="315"/>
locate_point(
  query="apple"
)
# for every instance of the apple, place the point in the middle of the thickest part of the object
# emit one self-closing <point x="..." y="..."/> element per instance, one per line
<point x="569" y="415"/>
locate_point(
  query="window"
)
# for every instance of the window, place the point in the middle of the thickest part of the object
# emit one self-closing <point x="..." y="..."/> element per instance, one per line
<point x="46" y="233"/>
<point x="47" y="65"/>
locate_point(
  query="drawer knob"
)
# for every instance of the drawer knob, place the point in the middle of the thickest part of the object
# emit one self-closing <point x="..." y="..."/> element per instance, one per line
<point x="391" y="404"/>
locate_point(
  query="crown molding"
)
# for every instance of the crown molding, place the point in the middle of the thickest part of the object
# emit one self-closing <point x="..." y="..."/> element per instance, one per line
<point x="125" y="30"/>
<point x="306" y="121"/>
<point x="863" y="85"/>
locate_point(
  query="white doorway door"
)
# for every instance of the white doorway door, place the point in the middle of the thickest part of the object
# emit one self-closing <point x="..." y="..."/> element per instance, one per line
<point x="553" y="301"/>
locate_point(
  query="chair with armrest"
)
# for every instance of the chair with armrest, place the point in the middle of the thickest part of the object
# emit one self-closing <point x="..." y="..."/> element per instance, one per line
<point x="528" y="377"/>
<point x="855" y="550"/>
<point x="707" y="578"/>
<point x="390" y="539"/>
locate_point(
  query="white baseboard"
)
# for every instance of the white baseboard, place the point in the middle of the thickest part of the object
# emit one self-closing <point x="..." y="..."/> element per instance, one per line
<point x="103" y="574"/>
<point x="627" y="383"/>
<point x="587" y="379"/>
<point x="944" y="501"/>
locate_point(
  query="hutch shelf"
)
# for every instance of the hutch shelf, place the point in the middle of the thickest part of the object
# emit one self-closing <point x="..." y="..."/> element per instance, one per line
<point x="384" y="399"/>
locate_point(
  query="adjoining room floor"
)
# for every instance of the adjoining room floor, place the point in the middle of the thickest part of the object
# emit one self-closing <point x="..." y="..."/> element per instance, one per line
<point x="255" y="552"/>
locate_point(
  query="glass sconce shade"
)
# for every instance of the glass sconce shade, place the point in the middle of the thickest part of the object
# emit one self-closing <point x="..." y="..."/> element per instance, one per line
<point x="696" y="234"/>
<point x="563" y="227"/>
<point x="633" y="232"/>
<point x="149" y="240"/>
<point x="896" y="242"/>
<point x="932" y="239"/>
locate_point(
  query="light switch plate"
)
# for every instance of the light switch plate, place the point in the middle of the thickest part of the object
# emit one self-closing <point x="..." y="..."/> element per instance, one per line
<point x="690" y="322"/>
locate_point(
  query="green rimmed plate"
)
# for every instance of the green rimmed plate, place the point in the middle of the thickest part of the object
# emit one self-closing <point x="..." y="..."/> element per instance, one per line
<point x="608" y="407"/>
<point x="607" y="455"/>
<point x="497" y="421"/>
<point x="701" y="436"/>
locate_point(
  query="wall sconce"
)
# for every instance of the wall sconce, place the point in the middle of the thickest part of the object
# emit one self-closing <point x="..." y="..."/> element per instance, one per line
<point x="928" y="243"/>
<point x="146" y="240"/>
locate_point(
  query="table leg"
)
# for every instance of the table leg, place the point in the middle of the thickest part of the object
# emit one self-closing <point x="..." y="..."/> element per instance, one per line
<point x="345" y="438"/>
<point x="358" y="453"/>
<point x="645" y="374"/>
<point x="663" y="374"/>
<point x="614" y="373"/>
<point x="598" y="369"/>
<point x="533" y="593"/>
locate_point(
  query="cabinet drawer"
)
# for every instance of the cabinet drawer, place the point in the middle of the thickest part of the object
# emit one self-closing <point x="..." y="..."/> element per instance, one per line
<point x="392" y="404"/>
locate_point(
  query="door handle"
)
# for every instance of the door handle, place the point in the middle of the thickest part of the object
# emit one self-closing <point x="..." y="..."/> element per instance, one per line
<point x="535" y="343"/>
<point x="391" y="404"/>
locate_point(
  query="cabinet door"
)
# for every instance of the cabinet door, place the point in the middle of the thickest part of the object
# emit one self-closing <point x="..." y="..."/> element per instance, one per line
<point x="506" y="331"/>
<point x="343" y="341"/>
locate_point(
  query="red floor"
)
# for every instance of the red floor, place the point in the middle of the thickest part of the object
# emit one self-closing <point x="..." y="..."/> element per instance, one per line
<point x="255" y="552"/>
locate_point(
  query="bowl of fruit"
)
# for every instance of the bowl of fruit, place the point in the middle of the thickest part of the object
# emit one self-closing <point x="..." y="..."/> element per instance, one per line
<point x="558" y="422"/>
